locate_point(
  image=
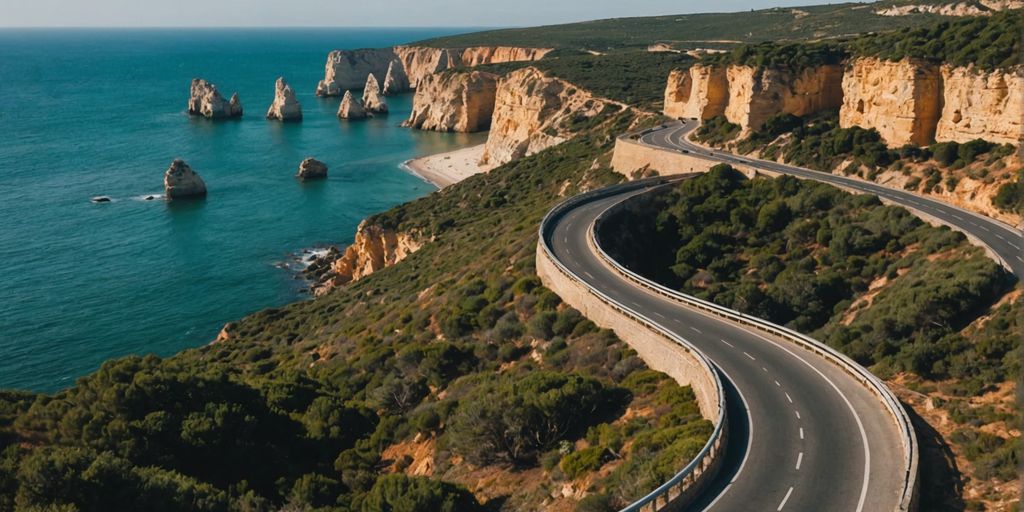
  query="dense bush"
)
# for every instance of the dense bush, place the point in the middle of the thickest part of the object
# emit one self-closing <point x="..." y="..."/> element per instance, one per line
<point x="987" y="42"/>
<point x="717" y="131"/>
<point x="400" y="493"/>
<point x="792" y="56"/>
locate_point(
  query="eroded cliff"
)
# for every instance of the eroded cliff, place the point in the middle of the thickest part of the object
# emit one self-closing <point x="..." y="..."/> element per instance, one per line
<point x="756" y="94"/>
<point x="979" y="105"/>
<point x="533" y="111"/>
<point x="454" y="102"/>
<point x="701" y="92"/>
<point x="375" y="247"/>
<point x="899" y="99"/>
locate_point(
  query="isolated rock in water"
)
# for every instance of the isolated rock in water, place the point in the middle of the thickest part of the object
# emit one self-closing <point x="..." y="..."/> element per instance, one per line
<point x="181" y="181"/>
<point x="372" y="100"/>
<point x="101" y="199"/>
<point x="350" y="108"/>
<point x="311" y="169"/>
<point x="285" y="107"/>
<point x="396" y="80"/>
<point x="206" y="101"/>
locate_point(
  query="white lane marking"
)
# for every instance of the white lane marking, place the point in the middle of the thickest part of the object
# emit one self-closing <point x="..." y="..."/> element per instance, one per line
<point x="777" y="384"/>
<point x="750" y="356"/>
<point x="750" y="443"/>
<point x="849" y="405"/>
<point x="591" y="276"/>
<point x="1020" y="259"/>
<point x="957" y="217"/>
<point x="801" y="432"/>
<point x="797" y="414"/>
<point x="726" y="342"/>
<point x="765" y="368"/>
<point x="696" y="330"/>
<point x="788" y="398"/>
<point x="1000" y="237"/>
<point x="799" y="459"/>
<point x="659" y="315"/>
<point x="784" y="500"/>
<point x="983" y="227"/>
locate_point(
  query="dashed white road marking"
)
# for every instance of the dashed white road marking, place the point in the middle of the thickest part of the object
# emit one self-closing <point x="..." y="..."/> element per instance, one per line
<point x="801" y="432"/>
<point x="797" y="414"/>
<point x="659" y="315"/>
<point x="765" y="368"/>
<point x="788" y="398"/>
<point x="957" y="217"/>
<point x="799" y="459"/>
<point x="784" y="500"/>
<point x="1000" y="237"/>
<point x="1020" y="259"/>
<point x="696" y="330"/>
<point x="750" y="356"/>
<point x="726" y="342"/>
<point x="777" y="384"/>
<point x="983" y="227"/>
<point x="591" y="276"/>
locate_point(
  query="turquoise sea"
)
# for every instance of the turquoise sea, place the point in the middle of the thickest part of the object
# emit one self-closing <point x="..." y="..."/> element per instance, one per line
<point x="102" y="112"/>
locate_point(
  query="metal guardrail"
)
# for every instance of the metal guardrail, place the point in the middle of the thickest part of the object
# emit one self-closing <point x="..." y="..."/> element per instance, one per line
<point x="869" y="380"/>
<point x="688" y="476"/>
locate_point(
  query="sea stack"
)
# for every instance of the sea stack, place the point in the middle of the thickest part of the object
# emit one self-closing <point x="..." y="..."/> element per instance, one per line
<point x="285" y="107"/>
<point x="206" y="101"/>
<point x="350" y="108"/>
<point x="311" y="169"/>
<point x="373" y="102"/>
<point x="396" y="80"/>
<point x="180" y="181"/>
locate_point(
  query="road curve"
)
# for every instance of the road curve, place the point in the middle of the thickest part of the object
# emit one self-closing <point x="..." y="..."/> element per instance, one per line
<point x="1005" y="241"/>
<point x="804" y="435"/>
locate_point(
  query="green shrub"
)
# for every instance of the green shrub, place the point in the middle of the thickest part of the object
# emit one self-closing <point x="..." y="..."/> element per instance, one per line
<point x="581" y="462"/>
<point x="418" y="494"/>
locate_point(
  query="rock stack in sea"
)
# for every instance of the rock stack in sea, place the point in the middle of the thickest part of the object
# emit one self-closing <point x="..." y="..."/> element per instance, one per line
<point x="285" y="107"/>
<point x="206" y="101"/>
<point x="180" y="181"/>
<point x="351" y="108"/>
<point x="311" y="169"/>
<point x="373" y="102"/>
<point x="396" y="80"/>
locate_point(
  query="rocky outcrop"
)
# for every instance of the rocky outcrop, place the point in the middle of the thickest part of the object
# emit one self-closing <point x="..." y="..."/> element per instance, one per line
<point x="395" y="81"/>
<point x="981" y="105"/>
<point x="373" y="102"/>
<point x="347" y="69"/>
<point x="701" y="92"/>
<point x="180" y="182"/>
<point x="375" y="247"/>
<point x="756" y="94"/>
<point x="533" y="112"/>
<point x="204" y="100"/>
<point x="285" y="107"/>
<point x="454" y="102"/>
<point x="351" y="108"/>
<point x="966" y="8"/>
<point x="311" y="169"/>
<point x="899" y="99"/>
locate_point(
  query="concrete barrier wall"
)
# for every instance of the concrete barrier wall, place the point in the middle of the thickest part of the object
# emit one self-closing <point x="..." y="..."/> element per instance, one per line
<point x="630" y="156"/>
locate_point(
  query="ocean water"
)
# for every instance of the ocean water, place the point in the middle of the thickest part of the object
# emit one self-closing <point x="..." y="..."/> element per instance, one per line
<point x="102" y="112"/>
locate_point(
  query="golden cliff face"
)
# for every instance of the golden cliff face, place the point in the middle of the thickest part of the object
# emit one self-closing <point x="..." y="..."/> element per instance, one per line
<point x="533" y="112"/>
<point x="374" y="248"/>
<point x="756" y="94"/>
<point x="456" y="102"/>
<point x="977" y="105"/>
<point x="701" y="92"/>
<point x="899" y="99"/>
<point x="421" y="62"/>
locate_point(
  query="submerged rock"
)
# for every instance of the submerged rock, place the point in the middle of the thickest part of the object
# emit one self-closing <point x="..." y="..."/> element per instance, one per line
<point x="311" y="169"/>
<point x="180" y="181"/>
<point x="372" y="100"/>
<point x="285" y="107"/>
<point x="206" y="101"/>
<point x="351" y="108"/>
<point x="101" y="199"/>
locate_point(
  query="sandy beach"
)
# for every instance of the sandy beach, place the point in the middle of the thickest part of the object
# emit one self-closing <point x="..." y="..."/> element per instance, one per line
<point x="443" y="169"/>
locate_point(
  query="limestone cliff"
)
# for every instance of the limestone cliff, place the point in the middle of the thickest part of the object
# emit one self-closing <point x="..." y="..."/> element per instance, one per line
<point x="285" y="107"/>
<point x="533" y="112"/>
<point x="965" y="8"/>
<point x="701" y="92"/>
<point x="180" y="181"/>
<point x="351" y="108"/>
<point x="454" y="102"/>
<point x="205" y="100"/>
<point x="373" y="102"/>
<point x="899" y="99"/>
<point x="756" y="94"/>
<point x="979" y="105"/>
<point x="374" y="248"/>
<point x="347" y="69"/>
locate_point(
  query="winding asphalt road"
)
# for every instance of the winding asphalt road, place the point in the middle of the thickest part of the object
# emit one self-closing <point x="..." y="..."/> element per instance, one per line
<point x="804" y="435"/>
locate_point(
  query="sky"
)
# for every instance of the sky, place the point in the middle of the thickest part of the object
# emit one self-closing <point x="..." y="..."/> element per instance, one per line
<point x="348" y="13"/>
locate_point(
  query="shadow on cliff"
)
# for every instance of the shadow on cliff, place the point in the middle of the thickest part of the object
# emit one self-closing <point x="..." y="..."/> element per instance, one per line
<point x="940" y="482"/>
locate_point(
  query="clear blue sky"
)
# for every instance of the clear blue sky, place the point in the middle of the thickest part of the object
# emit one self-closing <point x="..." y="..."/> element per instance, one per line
<point x="347" y="13"/>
